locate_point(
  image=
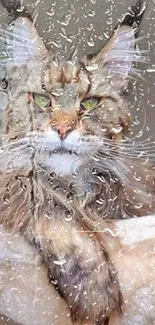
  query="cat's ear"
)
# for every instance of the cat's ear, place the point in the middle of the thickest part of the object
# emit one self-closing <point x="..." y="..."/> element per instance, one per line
<point x="21" y="44"/>
<point x="119" y="53"/>
<point x="117" y="56"/>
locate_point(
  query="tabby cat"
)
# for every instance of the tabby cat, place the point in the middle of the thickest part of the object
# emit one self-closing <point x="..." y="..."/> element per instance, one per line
<point x="64" y="163"/>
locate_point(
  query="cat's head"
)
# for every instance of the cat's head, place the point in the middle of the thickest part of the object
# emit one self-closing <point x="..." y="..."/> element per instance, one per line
<point x="68" y="110"/>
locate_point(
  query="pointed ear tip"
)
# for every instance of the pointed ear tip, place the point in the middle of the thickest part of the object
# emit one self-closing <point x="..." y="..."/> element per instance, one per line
<point x="135" y="14"/>
<point x="23" y="19"/>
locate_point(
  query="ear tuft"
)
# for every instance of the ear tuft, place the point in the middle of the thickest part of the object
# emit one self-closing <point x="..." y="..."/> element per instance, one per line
<point x="135" y="15"/>
<point x="15" y="8"/>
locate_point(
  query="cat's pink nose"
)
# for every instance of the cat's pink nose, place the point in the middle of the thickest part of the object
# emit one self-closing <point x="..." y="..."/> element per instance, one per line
<point x="63" y="131"/>
<point x="63" y="122"/>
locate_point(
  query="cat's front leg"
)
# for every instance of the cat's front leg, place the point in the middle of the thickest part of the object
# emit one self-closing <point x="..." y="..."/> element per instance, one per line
<point x="81" y="271"/>
<point x="90" y="288"/>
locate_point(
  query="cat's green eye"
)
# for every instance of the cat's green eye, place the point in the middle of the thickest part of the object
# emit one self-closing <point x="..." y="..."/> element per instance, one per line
<point x="90" y="103"/>
<point x="42" y="101"/>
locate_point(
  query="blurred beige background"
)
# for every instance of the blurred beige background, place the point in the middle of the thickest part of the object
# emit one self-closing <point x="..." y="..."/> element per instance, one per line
<point x="65" y="24"/>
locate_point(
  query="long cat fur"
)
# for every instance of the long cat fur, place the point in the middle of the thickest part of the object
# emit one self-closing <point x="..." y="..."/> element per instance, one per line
<point x="67" y="215"/>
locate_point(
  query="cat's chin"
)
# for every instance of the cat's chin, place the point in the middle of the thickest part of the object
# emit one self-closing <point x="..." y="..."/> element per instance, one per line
<point x="62" y="163"/>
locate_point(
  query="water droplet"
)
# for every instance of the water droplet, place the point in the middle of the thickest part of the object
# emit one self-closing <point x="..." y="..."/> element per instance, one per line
<point x="68" y="217"/>
<point x="65" y="20"/>
<point x="20" y="9"/>
<point x="54" y="282"/>
<point x="71" y="9"/>
<point x="117" y="130"/>
<point x="100" y="201"/>
<point x="150" y="70"/>
<point x="112" y="233"/>
<point x="138" y="205"/>
<point x="60" y="262"/>
<point x="56" y="43"/>
<point x="136" y="122"/>
<point x="141" y="154"/>
<point x="51" y="12"/>
<point x="107" y="11"/>
<point x="106" y="35"/>
<point x="92" y="67"/>
<point x="90" y="27"/>
<point x="66" y="36"/>
<point x="90" y="41"/>
<point x="100" y="37"/>
<point x="91" y="14"/>
<point x="93" y="2"/>
<point x="110" y="21"/>
<point x="136" y="177"/>
<point x="140" y="134"/>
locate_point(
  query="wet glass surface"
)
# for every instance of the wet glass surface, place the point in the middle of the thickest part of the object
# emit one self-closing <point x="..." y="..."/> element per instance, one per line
<point x="86" y="26"/>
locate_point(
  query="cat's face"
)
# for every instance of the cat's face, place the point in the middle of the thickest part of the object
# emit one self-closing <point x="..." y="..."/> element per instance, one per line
<point x="66" y="111"/>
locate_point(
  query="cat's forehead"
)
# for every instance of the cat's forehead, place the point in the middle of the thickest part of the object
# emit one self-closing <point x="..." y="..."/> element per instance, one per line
<point x="67" y="80"/>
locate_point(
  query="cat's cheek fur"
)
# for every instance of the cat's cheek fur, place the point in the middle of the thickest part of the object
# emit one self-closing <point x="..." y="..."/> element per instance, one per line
<point x="82" y="143"/>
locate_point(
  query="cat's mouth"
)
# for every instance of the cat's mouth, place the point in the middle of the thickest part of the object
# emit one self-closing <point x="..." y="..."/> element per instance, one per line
<point x="75" y="145"/>
<point x="62" y="151"/>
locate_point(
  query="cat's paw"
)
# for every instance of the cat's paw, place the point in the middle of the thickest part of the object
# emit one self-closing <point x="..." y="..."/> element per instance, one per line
<point x="89" y="286"/>
<point x="95" y="295"/>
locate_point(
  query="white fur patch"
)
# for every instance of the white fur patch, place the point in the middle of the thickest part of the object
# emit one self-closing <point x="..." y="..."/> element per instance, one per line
<point x="62" y="163"/>
<point x="82" y="144"/>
